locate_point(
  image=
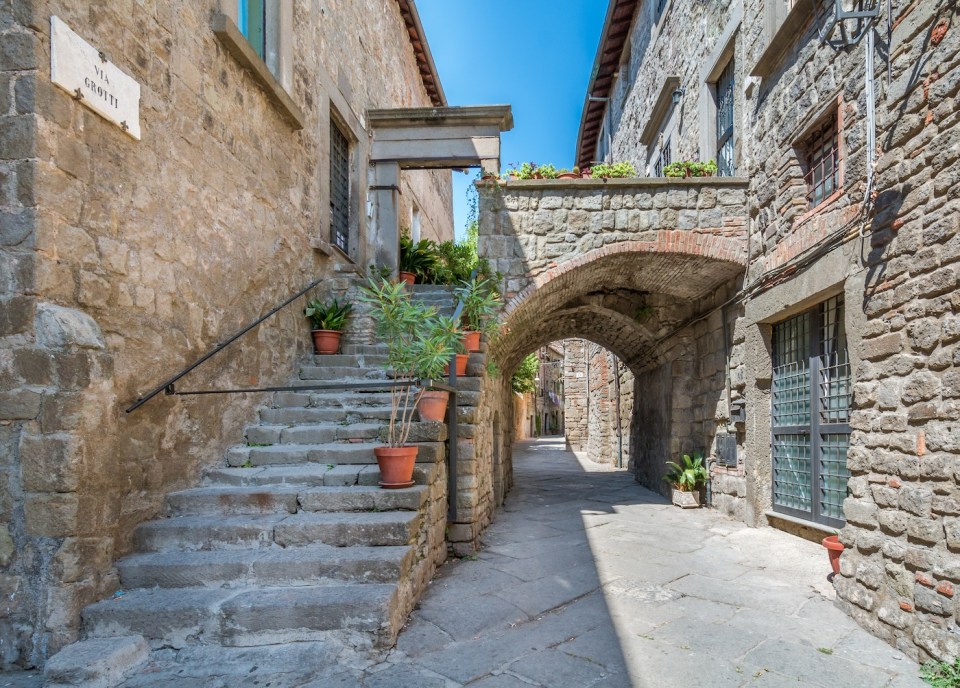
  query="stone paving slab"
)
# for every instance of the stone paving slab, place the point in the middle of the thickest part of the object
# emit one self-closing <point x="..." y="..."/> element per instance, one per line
<point x="587" y="580"/>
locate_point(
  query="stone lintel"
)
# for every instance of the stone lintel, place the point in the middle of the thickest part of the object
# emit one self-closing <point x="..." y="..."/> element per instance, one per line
<point x="500" y="116"/>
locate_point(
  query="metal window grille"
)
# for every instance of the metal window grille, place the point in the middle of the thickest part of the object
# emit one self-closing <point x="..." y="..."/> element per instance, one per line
<point x="663" y="159"/>
<point x="725" y="92"/>
<point x="812" y="394"/>
<point x="339" y="188"/>
<point x="823" y="163"/>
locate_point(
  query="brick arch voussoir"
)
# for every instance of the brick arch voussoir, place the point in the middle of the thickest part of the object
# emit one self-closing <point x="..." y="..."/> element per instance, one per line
<point x="721" y="248"/>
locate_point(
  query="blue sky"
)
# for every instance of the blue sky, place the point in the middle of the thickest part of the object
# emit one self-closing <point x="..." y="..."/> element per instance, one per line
<point x="535" y="55"/>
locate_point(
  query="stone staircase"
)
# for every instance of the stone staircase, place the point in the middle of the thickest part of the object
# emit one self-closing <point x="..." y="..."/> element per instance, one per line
<point x="292" y="539"/>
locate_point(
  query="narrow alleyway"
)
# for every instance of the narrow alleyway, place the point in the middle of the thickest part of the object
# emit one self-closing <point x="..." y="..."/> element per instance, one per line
<point x="588" y="579"/>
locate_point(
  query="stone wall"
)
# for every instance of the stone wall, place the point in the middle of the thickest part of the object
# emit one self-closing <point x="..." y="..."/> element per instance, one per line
<point x="575" y="399"/>
<point x="891" y="250"/>
<point x="120" y="261"/>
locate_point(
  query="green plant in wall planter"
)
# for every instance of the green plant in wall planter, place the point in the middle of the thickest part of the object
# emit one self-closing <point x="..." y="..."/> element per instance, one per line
<point x="614" y="170"/>
<point x="327" y="320"/>
<point x="687" y="479"/>
<point x="419" y="344"/>
<point x="690" y="168"/>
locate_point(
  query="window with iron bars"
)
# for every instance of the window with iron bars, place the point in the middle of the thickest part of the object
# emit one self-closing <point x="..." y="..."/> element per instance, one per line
<point x="663" y="158"/>
<point x="725" y="92"/>
<point x="812" y="394"/>
<point x="823" y="163"/>
<point x="339" y="188"/>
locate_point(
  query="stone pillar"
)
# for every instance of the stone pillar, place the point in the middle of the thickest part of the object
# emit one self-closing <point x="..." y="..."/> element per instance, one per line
<point x="386" y="198"/>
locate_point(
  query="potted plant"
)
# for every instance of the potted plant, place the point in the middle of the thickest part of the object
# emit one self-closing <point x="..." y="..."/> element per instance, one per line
<point x="432" y="403"/>
<point x="481" y="301"/>
<point x="418" y="345"/>
<point x="327" y="321"/>
<point x="687" y="478"/>
<point x="569" y="174"/>
<point x="417" y="259"/>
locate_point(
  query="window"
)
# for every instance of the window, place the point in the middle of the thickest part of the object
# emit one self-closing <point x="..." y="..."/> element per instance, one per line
<point x="339" y="188"/>
<point x="812" y="392"/>
<point x="258" y="21"/>
<point x="659" y="7"/>
<point x="663" y="158"/>
<point x="822" y="162"/>
<point x="725" y="91"/>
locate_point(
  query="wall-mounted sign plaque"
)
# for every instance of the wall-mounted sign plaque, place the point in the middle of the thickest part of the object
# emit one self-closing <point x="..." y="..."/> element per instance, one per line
<point x="85" y="73"/>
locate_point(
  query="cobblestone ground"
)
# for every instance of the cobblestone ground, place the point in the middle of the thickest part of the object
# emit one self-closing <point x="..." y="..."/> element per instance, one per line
<point x="587" y="579"/>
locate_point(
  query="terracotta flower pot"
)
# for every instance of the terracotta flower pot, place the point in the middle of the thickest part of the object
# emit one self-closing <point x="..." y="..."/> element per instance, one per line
<point x="461" y="365"/>
<point x="834" y="550"/>
<point x="471" y="342"/>
<point x="585" y="174"/>
<point x="408" y="277"/>
<point x="396" y="465"/>
<point x="326" y="341"/>
<point x="569" y="175"/>
<point x="432" y="405"/>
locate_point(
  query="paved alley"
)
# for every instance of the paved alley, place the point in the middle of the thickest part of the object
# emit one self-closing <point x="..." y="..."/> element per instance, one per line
<point x="587" y="579"/>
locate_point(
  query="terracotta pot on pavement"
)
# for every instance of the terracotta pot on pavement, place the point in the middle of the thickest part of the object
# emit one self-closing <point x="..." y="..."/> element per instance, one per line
<point x="396" y="465"/>
<point x="408" y="277"/>
<point x="834" y="550"/>
<point x="326" y="341"/>
<point x="432" y="405"/>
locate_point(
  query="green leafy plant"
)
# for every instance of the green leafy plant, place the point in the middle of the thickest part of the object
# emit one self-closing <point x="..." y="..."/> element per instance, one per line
<point x="690" y="168"/>
<point x="687" y="475"/>
<point x="419" y="344"/>
<point x="523" y="377"/>
<point x="941" y="674"/>
<point x="332" y="315"/>
<point x="548" y="172"/>
<point x="481" y="302"/>
<point x="421" y="257"/>
<point x="611" y="170"/>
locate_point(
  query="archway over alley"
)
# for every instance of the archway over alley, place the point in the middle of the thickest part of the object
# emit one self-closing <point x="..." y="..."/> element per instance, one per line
<point x="641" y="267"/>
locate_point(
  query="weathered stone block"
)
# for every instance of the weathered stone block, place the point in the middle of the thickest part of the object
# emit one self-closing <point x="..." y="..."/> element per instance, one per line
<point x="51" y="515"/>
<point x="49" y="464"/>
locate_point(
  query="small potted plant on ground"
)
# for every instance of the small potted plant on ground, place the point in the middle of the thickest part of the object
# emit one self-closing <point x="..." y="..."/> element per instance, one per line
<point x="687" y="478"/>
<point x="834" y="550"/>
<point x="419" y="342"/>
<point x="481" y="301"/>
<point x="327" y="321"/>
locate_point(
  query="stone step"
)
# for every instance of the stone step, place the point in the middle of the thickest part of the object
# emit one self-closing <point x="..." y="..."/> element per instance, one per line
<point x="314" y="433"/>
<point x="186" y="533"/>
<point x="354" y="349"/>
<point x="316" y="564"/>
<point x="350" y="360"/>
<point x="332" y="454"/>
<point x="343" y="374"/>
<point x="346" y="529"/>
<point x="363" y="498"/>
<point x="337" y="384"/>
<point x="259" y="616"/>
<point x="233" y="501"/>
<point x="339" y="399"/>
<point x="309" y="475"/>
<point x="301" y="415"/>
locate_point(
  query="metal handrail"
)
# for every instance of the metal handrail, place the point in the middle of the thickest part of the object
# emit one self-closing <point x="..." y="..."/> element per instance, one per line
<point x="168" y="384"/>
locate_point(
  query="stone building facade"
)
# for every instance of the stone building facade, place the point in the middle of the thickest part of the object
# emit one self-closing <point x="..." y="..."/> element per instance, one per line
<point x="819" y="377"/>
<point x="121" y="260"/>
